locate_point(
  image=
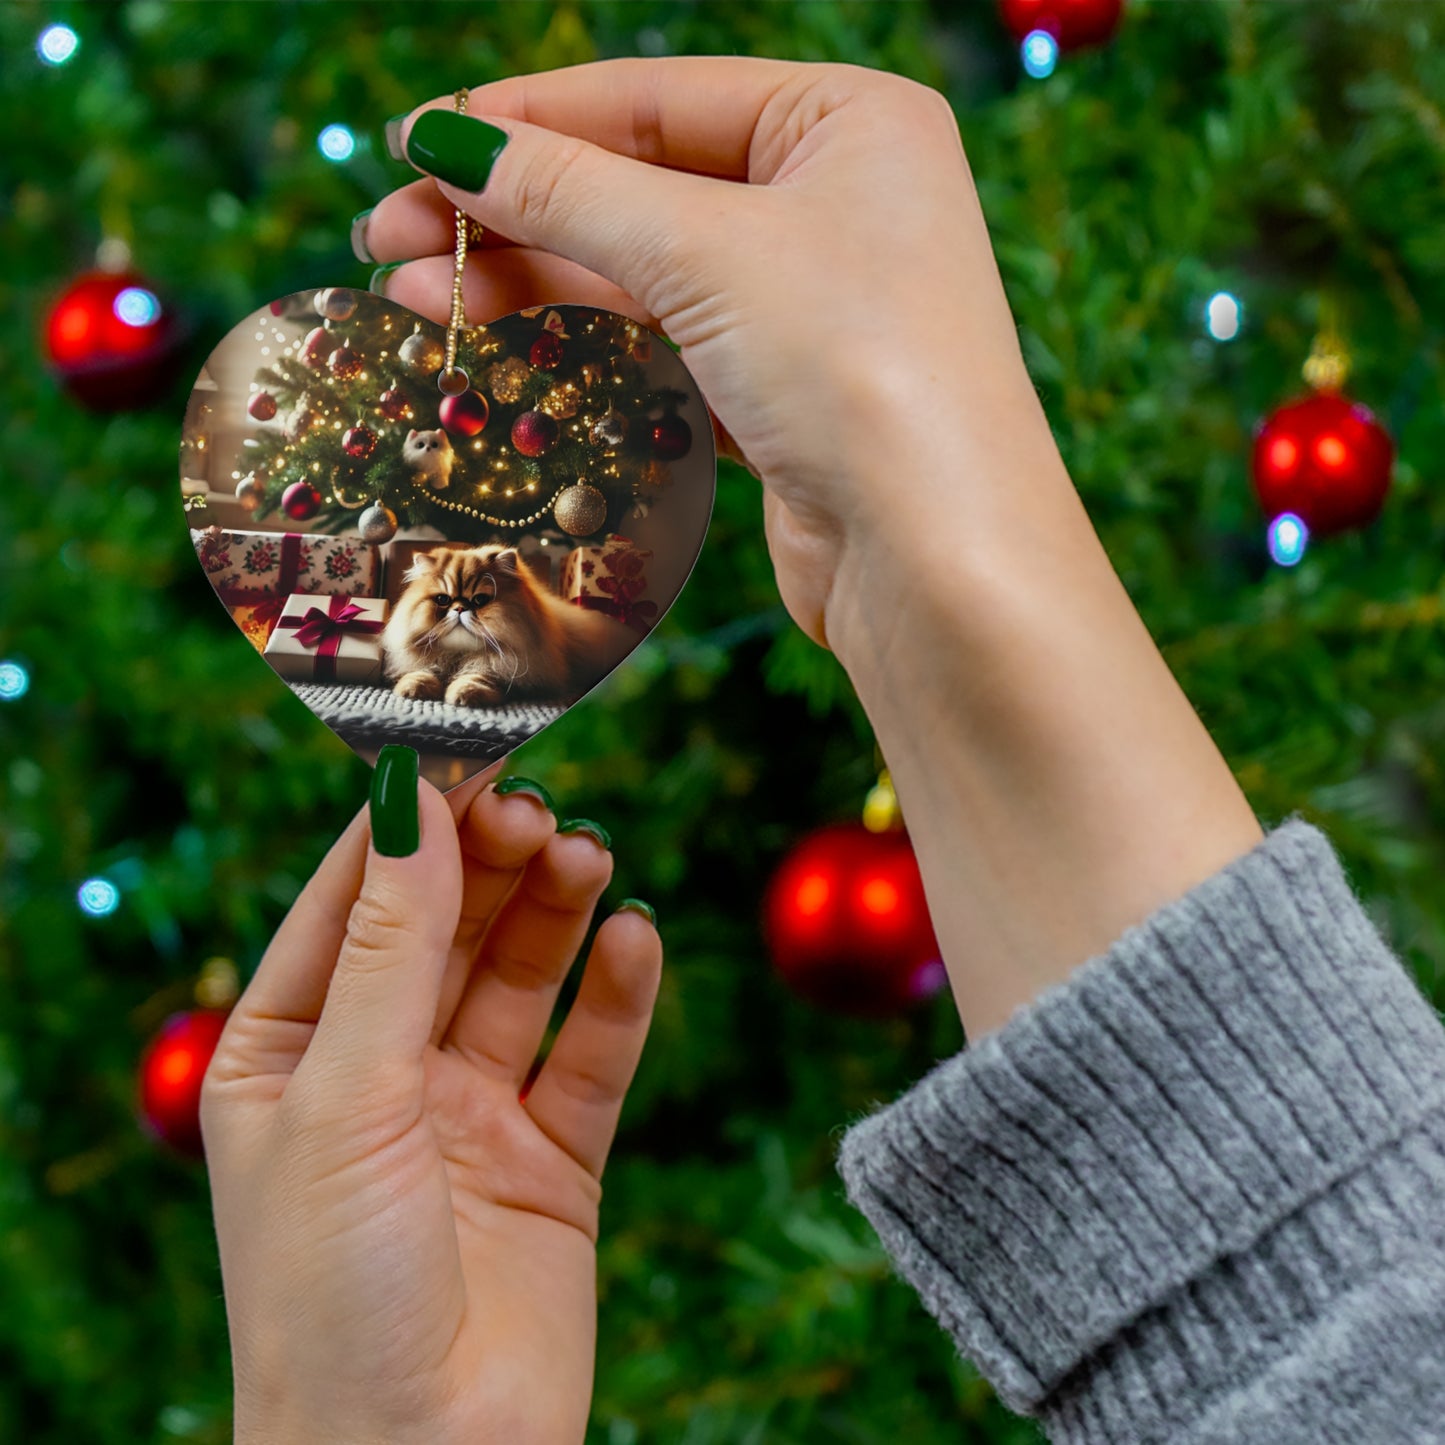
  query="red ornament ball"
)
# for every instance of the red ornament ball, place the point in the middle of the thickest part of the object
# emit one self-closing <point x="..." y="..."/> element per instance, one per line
<point x="393" y="404"/>
<point x="1073" y="23"/>
<point x="316" y="346"/>
<point x="1324" y="458"/>
<point x="464" y="415"/>
<point x="262" y="406"/>
<point x="358" y="441"/>
<point x="671" y="437"/>
<point x="847" y="924"/>
<point x="344" y="363"/>
<point x="301" y="501"/>
<point x="111" y="341"/>
<point x="546" y="352"/>
<point x="170" y="1076"/>
<point x="533" y="433"/>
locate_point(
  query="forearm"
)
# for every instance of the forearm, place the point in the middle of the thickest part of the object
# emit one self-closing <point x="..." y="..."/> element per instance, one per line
<point x="1056" y="782"/>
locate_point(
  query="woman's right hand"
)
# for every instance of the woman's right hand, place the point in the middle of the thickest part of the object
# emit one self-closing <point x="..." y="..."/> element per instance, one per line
<point x="841" y="311"/>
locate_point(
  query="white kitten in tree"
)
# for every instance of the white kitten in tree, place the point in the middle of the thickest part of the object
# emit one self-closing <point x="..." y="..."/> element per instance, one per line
<point x="430" y="454"/>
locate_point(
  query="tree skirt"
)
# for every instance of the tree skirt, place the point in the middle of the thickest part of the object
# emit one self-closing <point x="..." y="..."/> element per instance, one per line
<point x="369" y="717"/>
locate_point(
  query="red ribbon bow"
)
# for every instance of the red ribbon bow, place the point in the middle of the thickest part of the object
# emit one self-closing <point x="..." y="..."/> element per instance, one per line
<point x="324" y="631"/>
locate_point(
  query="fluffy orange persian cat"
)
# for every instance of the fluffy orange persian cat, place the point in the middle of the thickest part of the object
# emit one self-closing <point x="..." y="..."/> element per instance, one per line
<point x="476" y="628"/>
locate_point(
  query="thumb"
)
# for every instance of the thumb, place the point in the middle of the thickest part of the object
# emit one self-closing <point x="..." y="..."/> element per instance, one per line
<point x="382" y="1000"/>
<point x="639" y="226"/>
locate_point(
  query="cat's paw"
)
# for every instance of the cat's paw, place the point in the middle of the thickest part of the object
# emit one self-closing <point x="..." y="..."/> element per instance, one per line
<point x="473" y="692"/>
<point x="418" y="684"/>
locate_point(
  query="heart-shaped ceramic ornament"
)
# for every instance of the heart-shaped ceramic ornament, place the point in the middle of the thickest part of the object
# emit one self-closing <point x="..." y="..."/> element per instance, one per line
<point x="450" y="572"/>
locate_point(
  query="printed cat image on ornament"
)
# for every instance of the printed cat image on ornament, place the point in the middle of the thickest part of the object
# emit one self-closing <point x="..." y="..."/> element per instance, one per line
<point x="450" y="572"/>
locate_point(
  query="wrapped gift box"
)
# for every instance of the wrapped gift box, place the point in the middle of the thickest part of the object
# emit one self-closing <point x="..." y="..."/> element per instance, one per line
<point x="321" y="638"/>
<point x="611" y="578"/>
<point x="247" y="567"/>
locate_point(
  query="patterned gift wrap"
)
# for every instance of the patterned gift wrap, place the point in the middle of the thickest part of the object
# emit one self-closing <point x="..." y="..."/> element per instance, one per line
<point x="611" y="578"/>
<point x="258" y="571"/>
<point x="328" y="639"/>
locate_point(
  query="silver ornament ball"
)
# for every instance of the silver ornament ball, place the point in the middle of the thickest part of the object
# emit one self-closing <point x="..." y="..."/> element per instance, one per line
<point x="377" y="524"/>
<point x="250" y="494"/>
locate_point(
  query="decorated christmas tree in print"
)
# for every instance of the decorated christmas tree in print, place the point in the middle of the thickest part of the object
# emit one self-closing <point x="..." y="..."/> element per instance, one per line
<point x="559" y="425"/>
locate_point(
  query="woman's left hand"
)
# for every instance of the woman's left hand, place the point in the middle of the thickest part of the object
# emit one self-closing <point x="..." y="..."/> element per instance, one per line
<point x="407" y="1245"/>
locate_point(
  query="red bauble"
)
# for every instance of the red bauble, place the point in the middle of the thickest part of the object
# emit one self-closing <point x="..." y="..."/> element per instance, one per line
<point x="1073" y="23"/>
<point x="533" y="433"/>
<point x="847" y="924"/>
<point x="464" y="415"/>
<point x="1324" y="458"/>
<point x="262" y="406"/>
<point x="546" y="352"/>
<point x="393" y="404"/>
<point x="111" y="341"/>
<point x="344" y="363"/>
<point x="171" y="1071"/>
<point x="301" y="501"/>
<point x="671" y="437"/>
<point x="316" y="347"/>
<point x="358" y="441"/>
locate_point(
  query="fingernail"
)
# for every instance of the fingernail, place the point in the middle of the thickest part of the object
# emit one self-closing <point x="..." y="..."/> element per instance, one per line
<point x="586" y="825"/>
<point x="636" y="905"/>
<point x="377" y="284"/>
<point x="515" y="784"/>
<point x="359" y="248"/>
<point x="455" y="148"/>
<point x="393" y="136"/>
<point x="395" y="823"/>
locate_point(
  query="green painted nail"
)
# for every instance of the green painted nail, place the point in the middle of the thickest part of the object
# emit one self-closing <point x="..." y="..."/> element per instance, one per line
<point x="586" y="825"/>
<point x="395" y="821"/>
<point x="359" y="248"/>
<point x="515" y="784"/>
<point x="393" y="136"/>
<point x="455" y="148"/>
<point x="636" y="905"/>
<point x="377" y="284"/>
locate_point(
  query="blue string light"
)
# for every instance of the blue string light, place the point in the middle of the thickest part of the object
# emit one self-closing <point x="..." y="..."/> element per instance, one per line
<point x="57" y="44"/>
<point x="1223" y="316"/>
<point x="1288" y="538"/>
<point x="1040" y="54"/>
<point x="14" y="682"/>
<point x="136" y="306"/>
<point x="98" y="897"/>
<point x="336" y="143"/>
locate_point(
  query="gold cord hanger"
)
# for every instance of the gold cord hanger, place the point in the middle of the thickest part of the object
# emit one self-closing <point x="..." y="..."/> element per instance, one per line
<point x="451" y="380"/>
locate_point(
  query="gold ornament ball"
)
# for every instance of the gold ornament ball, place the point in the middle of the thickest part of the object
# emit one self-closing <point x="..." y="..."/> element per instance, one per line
<point x="580" y="510"/>
<point x="377" y="524"/>
<point x="423" y="354"/>
<point x="250" y="494"/>
<point x="562" y="401"/>
<point x="508" y="378"/>
<point x="338" y="304"/>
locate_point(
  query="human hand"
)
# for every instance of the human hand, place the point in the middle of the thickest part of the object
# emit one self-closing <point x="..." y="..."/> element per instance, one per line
<point x="841" y="312"/>
<point x="408" y="1248"/>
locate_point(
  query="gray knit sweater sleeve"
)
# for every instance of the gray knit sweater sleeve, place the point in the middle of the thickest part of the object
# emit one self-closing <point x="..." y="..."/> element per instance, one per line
<point x="1196" y="1192"/>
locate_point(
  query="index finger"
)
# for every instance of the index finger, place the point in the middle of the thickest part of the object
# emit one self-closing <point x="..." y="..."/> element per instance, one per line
<point x="698" y="113"/>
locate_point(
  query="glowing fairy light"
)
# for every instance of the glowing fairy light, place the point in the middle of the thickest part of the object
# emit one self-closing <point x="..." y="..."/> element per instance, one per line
<point x="336" y="143"/>
<point x="98" y="897"/>
<point x="57" y="44"/>
<point x="14" y="681"/>
<point x="1288" y="537"/>
<point x="1223" y="316"/>
<point x="136" y="306"/>
<point x="1040" y="54"/>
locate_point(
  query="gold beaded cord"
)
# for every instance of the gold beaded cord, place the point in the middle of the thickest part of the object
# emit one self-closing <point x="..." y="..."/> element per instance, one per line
<point x="486" y="517"/>
<point x="447" y="379"/>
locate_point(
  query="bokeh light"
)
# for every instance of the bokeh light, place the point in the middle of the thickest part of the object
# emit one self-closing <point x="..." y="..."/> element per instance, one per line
<point x="98" y="897"/>
<point x="1288" y="538"/>
<point x="336" y="143"/>
<point x="57" y="44"/>
<point x="136" y="306"/>
<point x="1223" y="316"/>
<point x="1040" y="53"/>
<point x="14" y="681"/>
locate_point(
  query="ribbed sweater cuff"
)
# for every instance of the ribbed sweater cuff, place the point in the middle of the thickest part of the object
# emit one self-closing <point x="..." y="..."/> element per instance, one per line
<point x="1144" y="1165"/>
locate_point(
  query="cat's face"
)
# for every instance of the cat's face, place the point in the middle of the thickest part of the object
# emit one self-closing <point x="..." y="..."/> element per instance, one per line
<point x="424" y="443"/>
<point x="451" y="594"/>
